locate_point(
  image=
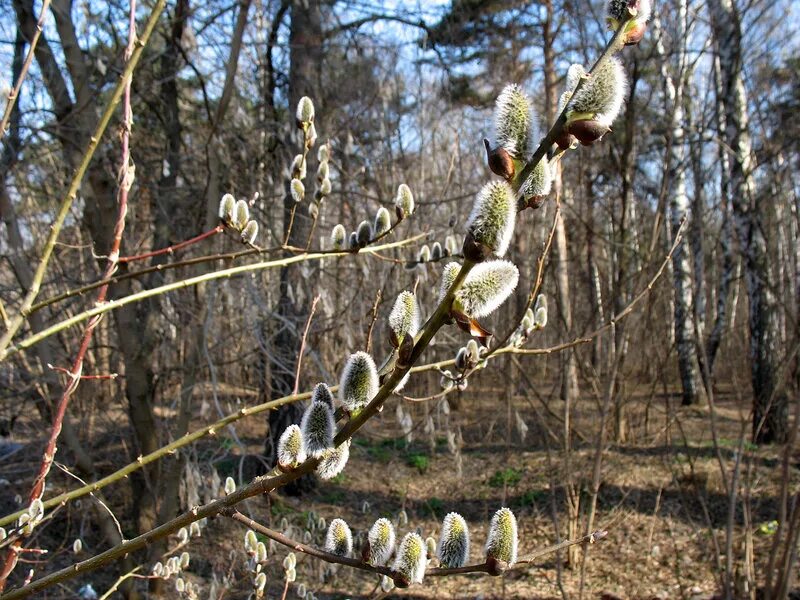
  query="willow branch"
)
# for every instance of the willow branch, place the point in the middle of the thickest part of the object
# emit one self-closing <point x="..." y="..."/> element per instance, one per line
<point x="183" y="284"/>
<point x="381" y="570"/>
<point x="175" y="247"/>
<point x="72" y="190"/>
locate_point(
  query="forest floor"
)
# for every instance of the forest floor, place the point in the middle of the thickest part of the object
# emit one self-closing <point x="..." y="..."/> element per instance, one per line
<point x="660" y="497"/>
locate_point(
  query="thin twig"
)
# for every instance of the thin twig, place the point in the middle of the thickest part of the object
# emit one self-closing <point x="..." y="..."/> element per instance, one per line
<point x="303" y="346"/>
<point x="178" y="285"/>
<point x="14" y="94"/>
<point x="373" y="319"/>
<point x="175" y="247"/>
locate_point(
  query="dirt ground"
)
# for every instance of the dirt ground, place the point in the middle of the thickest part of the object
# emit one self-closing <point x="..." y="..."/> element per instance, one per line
<point x="660" y="498"/>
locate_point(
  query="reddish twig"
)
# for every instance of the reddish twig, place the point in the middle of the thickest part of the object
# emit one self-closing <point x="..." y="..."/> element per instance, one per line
<point x="174" y="247"/>
<point x="373" y="318"/>
<point x="125" y="179"/>
<point x="303" y="346"/>
<point x="84" y="377"/>
<point x="14" y="94"/>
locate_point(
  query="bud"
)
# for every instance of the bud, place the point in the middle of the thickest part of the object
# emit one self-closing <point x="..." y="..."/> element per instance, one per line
<point x="313" y="210"/>
<point x="446" y="381"/>
<point x="158" y="569"/>
<point x="325" y="187"/>
<point x="500" y="161"/>
<point x="333" y="461"/>
<point x="291" y="575"/>
<point x="311" y="136"/>
<point x="424" y="254"/>
<point x="339" y="539"/>
<point x="404" y="318"/>
<point x="318" y="428"/>
<point x="230" y="486"/>
<point x="322" y="171"/>
<point x="324" y="153"/>
<point x="514" y="122"/>
<point x="501" y="544"/>
<point x="430" y="546"/>
<point x="185" y="558"/>
<point x="404" y="202"/>
<point x="364" y="233"/>
<point x="359" y="382"/>
<point x="491" y="223"/>
<point x="381" y="542"/>
<point x="226" y="207"/>
<point x="473" y="351"/>
<point x="383" y="221"/>
<point x="451" y="245"/>
<point x="449" y="274"/>
<point x="180" y="584"/>
<point x="250" y="541"/>
<point x="291" y="449"/>
<point x="410" y="562"/>
<point x="183" y="535"/>
<point x="461" y="359"/>
<point x="322" y="393"/>
<point x="290" y="561"/>
<point x="297" y="190"/>
<point x="305" y="112"/>
<point x="261" y="552"/>
<point x="301" y="590"/>
<point x="194" y="529"/>
<point x="527" y="321"/>
<point x="538" y="184"/>
<point x="486" y="287"/>
<point x="540" y="317"/>
<point x="77" y="546"/>
<point x="260" y="582"/>
<point x="436" y="251"/>
<point x="338" y="235"/>
<point x="617" y="11"/>
<point x="250" y="232"/>
<point x="454" y="542"/>
<point x="241" y="214"/>
<point x="298" y="167"/>
<point x="353" y="241"/>
<point x="594" y="107"/>
<point x="387" y="585"/>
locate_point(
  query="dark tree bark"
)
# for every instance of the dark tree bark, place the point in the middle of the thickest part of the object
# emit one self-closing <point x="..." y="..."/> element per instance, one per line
<point x="770" y="402"/>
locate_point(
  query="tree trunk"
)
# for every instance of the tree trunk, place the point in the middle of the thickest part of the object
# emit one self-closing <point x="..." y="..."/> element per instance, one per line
<point x="685" y="340"/>
<point x="305" y="64"/>
<point x="770" y="403"/>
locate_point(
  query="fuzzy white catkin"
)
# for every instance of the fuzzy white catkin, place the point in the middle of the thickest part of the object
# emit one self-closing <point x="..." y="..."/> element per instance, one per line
<point x="514" y="122"/>
<point x="226" y="206"/>
<point x="318" y="428"/>
<point x="493" y="216"/>
<point x="404" y="317"/>
<point x="250" y="232"/>
<point x="322" y="393"/>
<point x="333" y="461"/>
<point x="339" y="539"/>
<point x="411" y="558"/>
<point x="383" y="221"/>
<point x="338" y="235"/>
<point x="359" y="382"/>
<point x="305" y="110"/>
<point x="486" y="287"/>
<point x="454" y="541"/>
<point x="241" y="214"/>
<point x="298" y="190"/>
<point x="405" y="200"/>
<point x="449" y="274"/>
<point x="603" y="94"/>
<point x="291" y="449"/>
<point x="502" y="541"/>
<point x="381" y="542"/>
